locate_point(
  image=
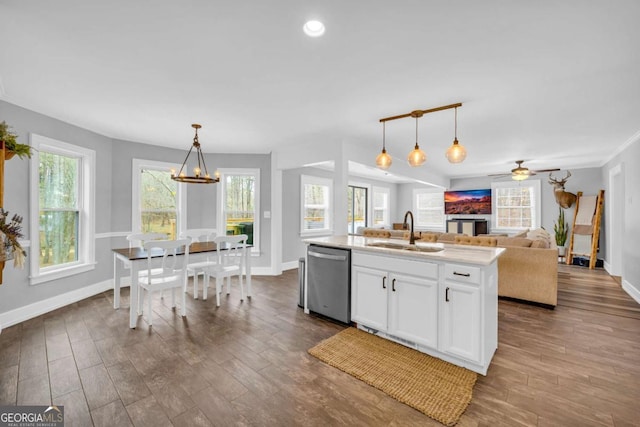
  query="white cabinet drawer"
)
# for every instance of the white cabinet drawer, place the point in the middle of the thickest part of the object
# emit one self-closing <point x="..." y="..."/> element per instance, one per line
<point x="396" y="265"/>
<point x="462" y="273"/>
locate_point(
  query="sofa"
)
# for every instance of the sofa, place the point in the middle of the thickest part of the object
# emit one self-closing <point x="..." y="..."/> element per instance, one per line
<point x="527" y="270"/>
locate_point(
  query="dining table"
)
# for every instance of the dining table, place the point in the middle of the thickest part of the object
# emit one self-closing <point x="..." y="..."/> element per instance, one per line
<point x="135" y="259"/>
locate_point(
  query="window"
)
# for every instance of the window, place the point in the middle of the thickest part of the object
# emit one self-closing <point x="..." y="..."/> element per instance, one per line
<point x="158" y="202"/>
<point x="239" y="204"/>
<point x="516" y="205"/>
<point x="316" y="205"/>
<point x="62" y="209"/>
<point x="381" y="206"/>
<point x="357" y="202"/>
<point x="428" y="208"/>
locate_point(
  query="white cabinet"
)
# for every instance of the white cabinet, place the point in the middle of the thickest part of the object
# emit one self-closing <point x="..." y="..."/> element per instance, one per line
<point x="401" y="300"/>
<point x="442" y="308"/>
<point x="369" y="297"/>
<point x="413" y="309"/>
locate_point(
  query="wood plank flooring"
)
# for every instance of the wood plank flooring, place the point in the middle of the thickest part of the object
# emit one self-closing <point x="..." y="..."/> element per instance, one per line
<point x="246" y="364"/>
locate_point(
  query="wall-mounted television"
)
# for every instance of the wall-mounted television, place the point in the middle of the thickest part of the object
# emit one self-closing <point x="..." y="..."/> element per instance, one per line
<point x="468" y="202"/>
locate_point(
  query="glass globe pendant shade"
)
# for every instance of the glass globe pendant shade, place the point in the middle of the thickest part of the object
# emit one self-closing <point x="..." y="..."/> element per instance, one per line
<point x="417" y="157"/>
<point x="456" y="153"/>
<point x="383" y="161"/>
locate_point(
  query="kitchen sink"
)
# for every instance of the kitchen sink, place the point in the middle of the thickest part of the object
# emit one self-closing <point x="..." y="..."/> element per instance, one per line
<point x="405" y="247"/>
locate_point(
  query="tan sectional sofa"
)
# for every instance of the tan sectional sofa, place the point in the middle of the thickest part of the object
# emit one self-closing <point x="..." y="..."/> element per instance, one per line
<point x="527" y="270"/>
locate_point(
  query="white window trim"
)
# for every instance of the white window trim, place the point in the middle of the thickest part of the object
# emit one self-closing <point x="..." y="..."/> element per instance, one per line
<point x="387" y="214"/>
<point x="414" y="206"/>
<point x="136" y="215"/>
<point x="220" y="217"/>
<point x="537" y="209"/>
<point x="86" y="230"/>
<point x="314" y="180"/>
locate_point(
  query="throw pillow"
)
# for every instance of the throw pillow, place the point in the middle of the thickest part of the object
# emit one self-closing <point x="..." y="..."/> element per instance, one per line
<point x="523" y="233"/>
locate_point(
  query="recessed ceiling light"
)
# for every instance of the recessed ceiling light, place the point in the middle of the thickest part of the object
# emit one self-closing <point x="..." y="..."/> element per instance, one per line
<point x="313" y="28"/>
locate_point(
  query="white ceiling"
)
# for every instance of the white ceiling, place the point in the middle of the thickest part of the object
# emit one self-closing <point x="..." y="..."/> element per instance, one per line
<point x="554" y="83"/>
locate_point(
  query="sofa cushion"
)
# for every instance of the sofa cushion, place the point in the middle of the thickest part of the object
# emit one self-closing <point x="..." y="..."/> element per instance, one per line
<point x="373" y="232"/>
<point x="523" y="233"/>
<point x="447" y="237"/>
<point x="540" y="243"/>
<point x="476" y="240"/>
<point x="540" y="233"/>
<point x="507" y="242"/>
<point x="429" y="237"/>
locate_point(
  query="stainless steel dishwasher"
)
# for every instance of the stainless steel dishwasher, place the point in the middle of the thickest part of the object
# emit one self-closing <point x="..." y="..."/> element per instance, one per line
<point x="329" y="282"/>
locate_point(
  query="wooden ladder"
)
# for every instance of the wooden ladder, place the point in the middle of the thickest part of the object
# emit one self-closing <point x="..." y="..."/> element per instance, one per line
<point x="595" y="234"/>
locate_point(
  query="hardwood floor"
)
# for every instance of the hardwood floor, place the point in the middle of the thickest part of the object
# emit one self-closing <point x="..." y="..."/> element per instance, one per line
<point x="246" y="363"/>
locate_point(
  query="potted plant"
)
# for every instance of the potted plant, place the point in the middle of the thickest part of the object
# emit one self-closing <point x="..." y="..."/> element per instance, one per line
<point x="561" y="229"/>
<point x="10" y="232"/>
<point x="11" y="145"/>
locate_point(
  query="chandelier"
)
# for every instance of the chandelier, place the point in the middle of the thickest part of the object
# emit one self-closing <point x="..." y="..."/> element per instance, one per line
<point x="455" y="154"/>
<point x="198" y="177"/>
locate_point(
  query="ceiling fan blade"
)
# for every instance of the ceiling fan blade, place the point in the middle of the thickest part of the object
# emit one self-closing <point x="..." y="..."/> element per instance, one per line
<point x="500" y="174"/>
<point x="545" y="170"/>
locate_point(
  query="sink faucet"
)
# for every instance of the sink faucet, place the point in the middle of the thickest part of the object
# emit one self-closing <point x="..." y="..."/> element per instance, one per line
<point x="412" y="237"/>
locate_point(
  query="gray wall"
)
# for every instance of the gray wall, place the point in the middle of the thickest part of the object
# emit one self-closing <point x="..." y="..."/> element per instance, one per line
<point x="16" y="291"/>
<point x="292" y="246"/>
<point x="628" y="215"/>
<point x="588" y="180"/>
<point x="113" y="199"/>
<point x="201" y="199"/>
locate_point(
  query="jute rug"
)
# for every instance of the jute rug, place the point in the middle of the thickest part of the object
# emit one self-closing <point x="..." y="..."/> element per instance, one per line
<point x="434" y="387"/>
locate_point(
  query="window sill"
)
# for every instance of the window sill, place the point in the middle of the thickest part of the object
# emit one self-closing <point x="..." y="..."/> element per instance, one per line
<point x="61" y="273"/>
<point x="316" y="233"/>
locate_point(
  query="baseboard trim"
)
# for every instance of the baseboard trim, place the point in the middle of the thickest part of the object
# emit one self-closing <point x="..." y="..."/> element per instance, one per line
<point x="289" y="265"/>
<point x="607" y="267"/>
<point x="631" y="290"/>
<point x="38" y="308"/>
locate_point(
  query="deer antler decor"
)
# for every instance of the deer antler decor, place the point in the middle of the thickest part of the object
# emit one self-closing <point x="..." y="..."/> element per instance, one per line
<point x="564" y="198"/>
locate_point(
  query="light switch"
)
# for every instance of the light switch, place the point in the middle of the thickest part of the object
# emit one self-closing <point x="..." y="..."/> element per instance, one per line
<point x="267" y="214"/>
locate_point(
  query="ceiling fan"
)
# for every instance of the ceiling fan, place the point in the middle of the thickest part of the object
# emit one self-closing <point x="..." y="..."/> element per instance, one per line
<point x="521" y="173"/>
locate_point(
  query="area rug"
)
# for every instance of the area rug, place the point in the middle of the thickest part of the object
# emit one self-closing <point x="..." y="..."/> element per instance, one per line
<point x="434" y="387"/>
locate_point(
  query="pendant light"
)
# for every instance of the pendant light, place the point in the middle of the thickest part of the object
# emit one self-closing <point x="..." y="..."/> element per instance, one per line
<point x="197" y="177"/>
<point x="416" y="157"/>
<point x="456" y="153"/>
<point x="383" y="161"/>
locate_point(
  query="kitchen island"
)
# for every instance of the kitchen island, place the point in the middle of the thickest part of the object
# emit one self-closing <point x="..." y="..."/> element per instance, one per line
<point x="440" y="299"/>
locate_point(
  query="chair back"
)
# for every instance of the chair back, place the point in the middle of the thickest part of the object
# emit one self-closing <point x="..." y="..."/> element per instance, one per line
<point x="231" y="249"/>
<point x="173" y="260"/>
<point x="200" y="234"/>
<point x="137" y="240"/>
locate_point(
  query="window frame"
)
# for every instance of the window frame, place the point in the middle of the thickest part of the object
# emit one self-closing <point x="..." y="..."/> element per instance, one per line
<point x="86" y="209"/>
<point x="220" y="199"/>
<point x="367" y="206"/>
<point x="386" y="210"/>
<point x="428" y="226"/>
<point x="137" y="165"/>
<point x="536" y="210"/>
<point x="315" y="180"/>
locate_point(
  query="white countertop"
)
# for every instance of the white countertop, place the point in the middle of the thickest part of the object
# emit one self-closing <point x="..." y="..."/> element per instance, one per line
<point x="455" y="253"/>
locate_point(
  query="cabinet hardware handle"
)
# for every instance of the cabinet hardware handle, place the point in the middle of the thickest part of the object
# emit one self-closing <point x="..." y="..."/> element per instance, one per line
<point x="455" y="273"/>
<point x="393" y="285"/>
<point x="446" y="295"/>
<point x="383" y="280"/>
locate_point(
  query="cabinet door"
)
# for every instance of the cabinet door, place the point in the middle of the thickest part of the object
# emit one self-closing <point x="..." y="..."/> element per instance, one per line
<point x="369" y="297"/>
<point x="461" y="320"/>
<point x="452" y="226"/>
<point x="468" y="228"/>
<point x="413" y="309"/>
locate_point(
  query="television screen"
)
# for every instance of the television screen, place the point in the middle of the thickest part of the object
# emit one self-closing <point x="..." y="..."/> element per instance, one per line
<point x="467" y="202"/>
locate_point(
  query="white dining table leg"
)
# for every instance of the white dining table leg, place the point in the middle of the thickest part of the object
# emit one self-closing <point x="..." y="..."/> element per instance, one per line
<point x="133" y="296"/>
<point x="247" y="270"/>
<point x="117" y="273"/>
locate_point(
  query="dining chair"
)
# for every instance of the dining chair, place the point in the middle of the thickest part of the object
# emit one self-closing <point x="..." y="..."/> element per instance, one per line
<point x="137" y="240"/>
<point x="197" y="268"/>
<point x="171" y="274"/>
<point x="230" y="252"/>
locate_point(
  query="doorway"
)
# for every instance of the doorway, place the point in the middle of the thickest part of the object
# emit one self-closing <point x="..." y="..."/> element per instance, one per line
<point x="357" y="202"/>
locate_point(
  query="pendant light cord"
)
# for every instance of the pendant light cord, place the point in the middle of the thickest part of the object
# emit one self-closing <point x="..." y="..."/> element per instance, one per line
<point x="416" y="131"/>
<point x="455" y="132"/>
<point x="384" y="132"/>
